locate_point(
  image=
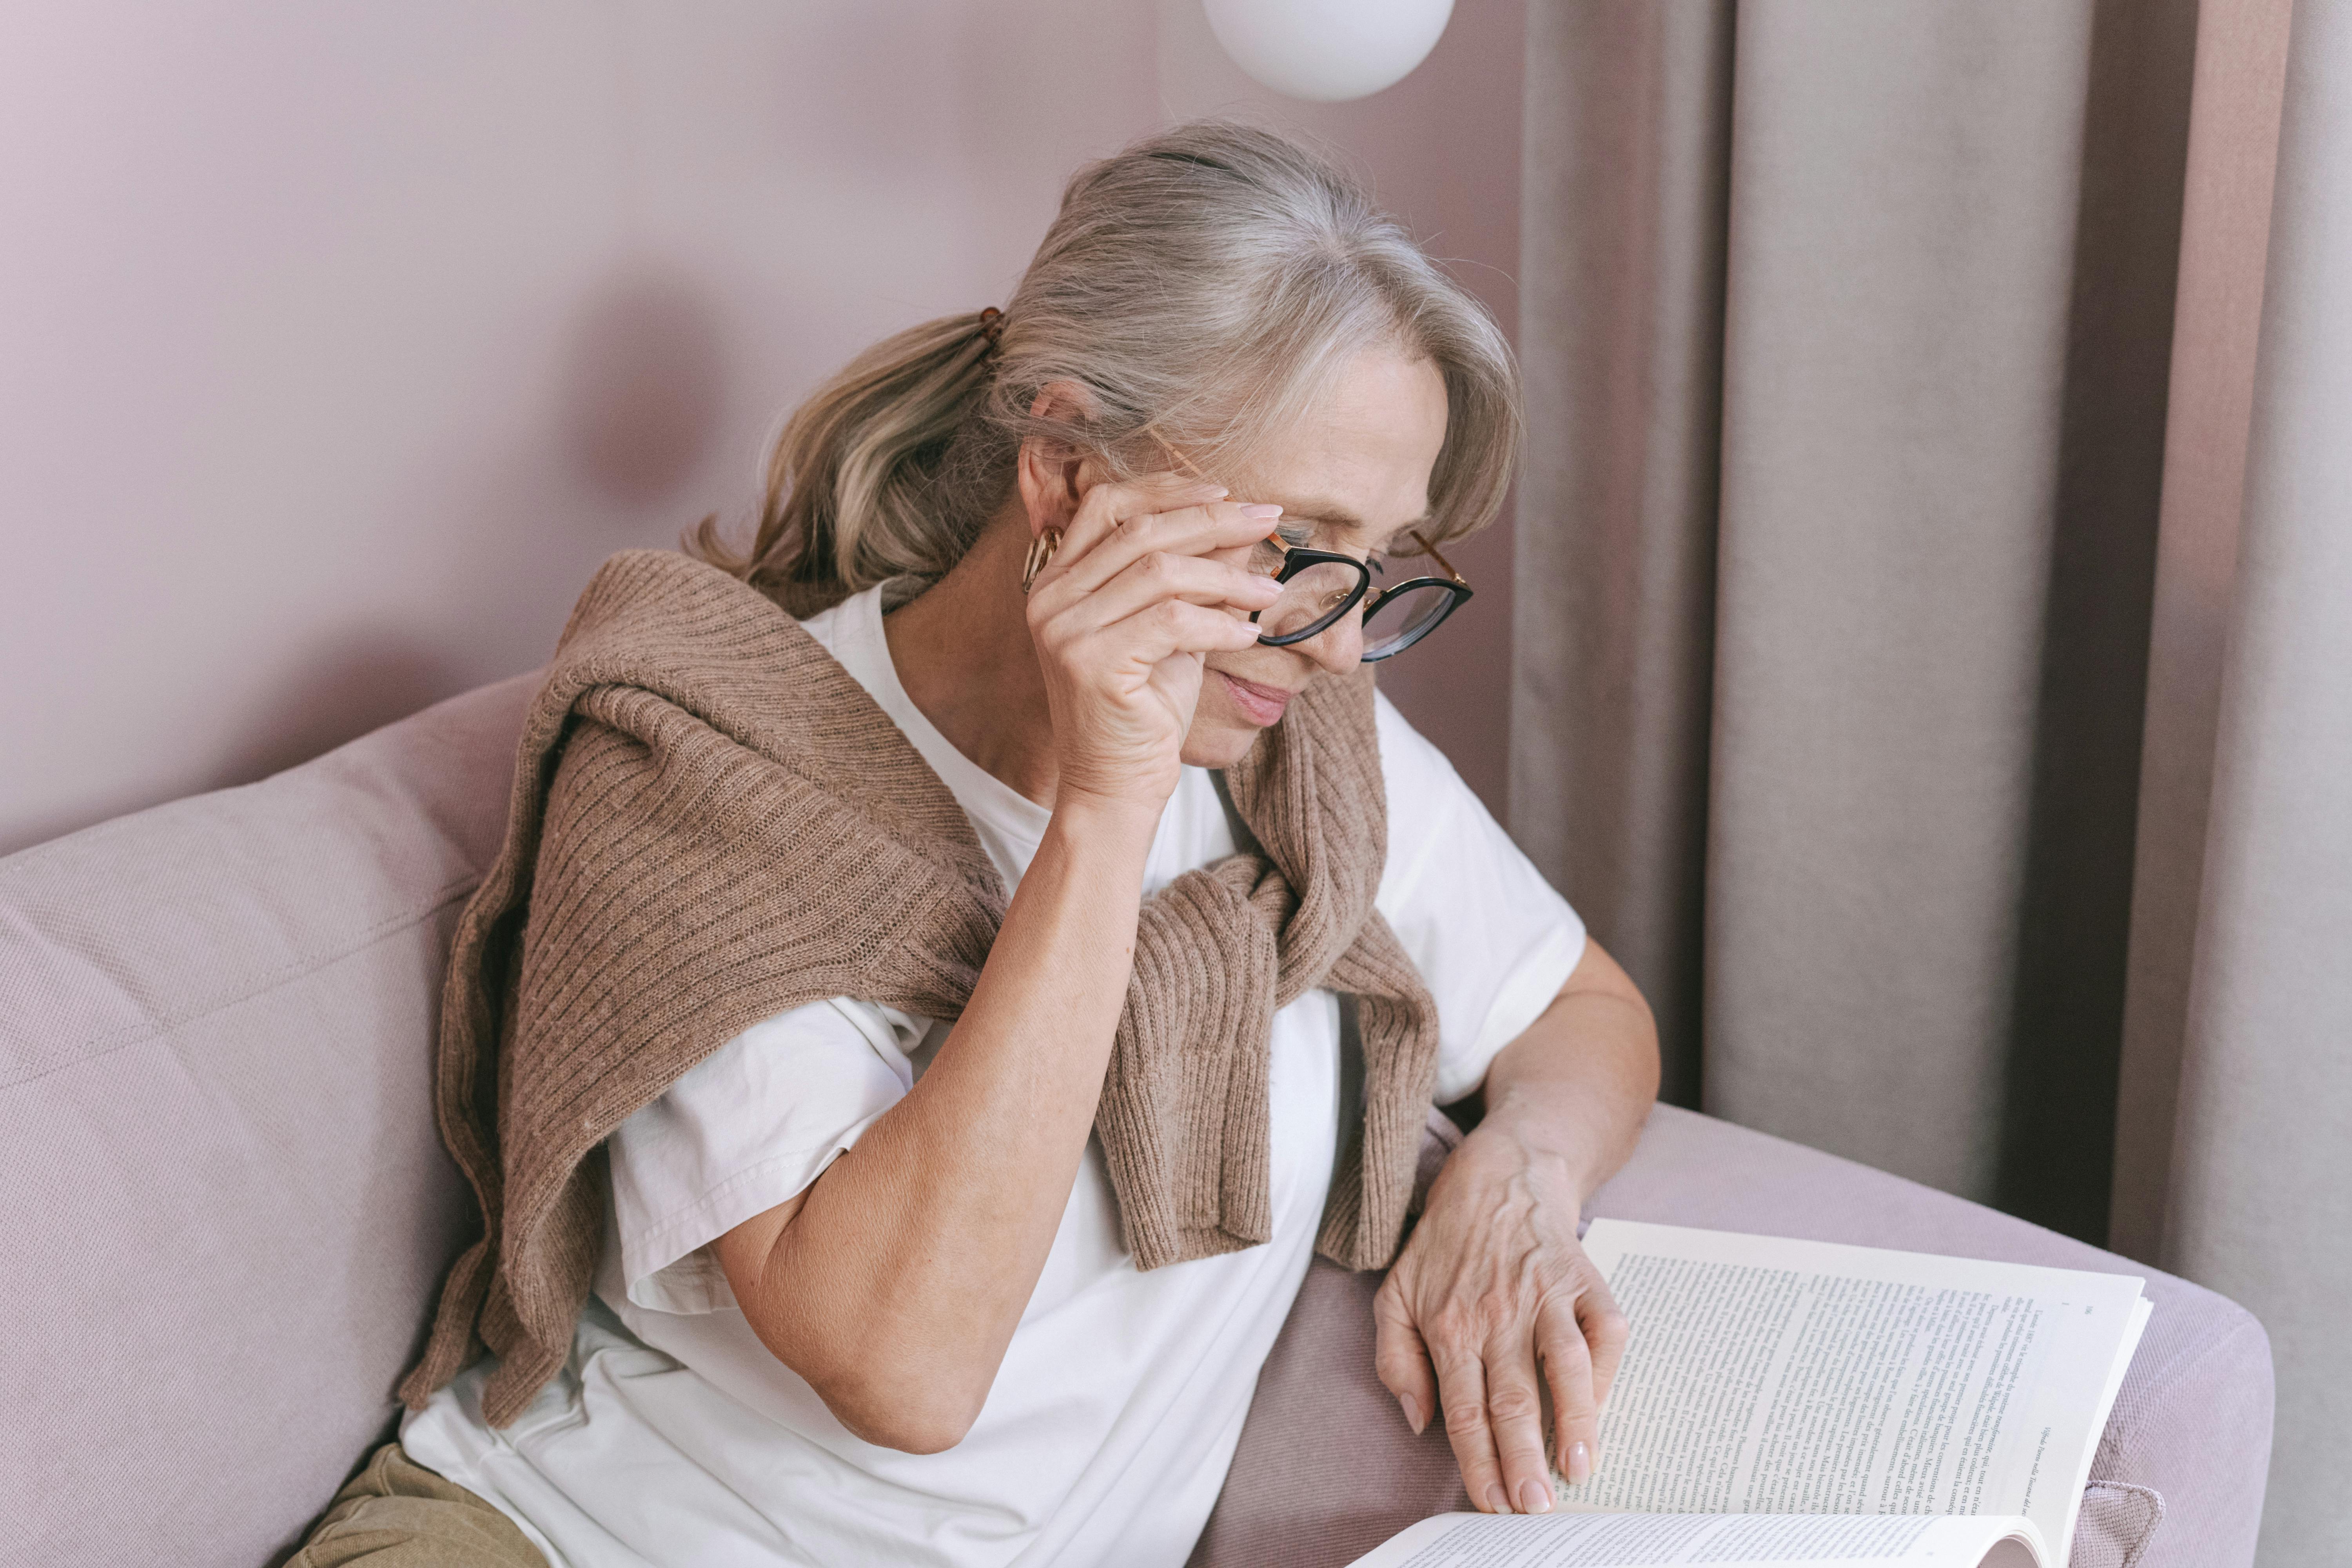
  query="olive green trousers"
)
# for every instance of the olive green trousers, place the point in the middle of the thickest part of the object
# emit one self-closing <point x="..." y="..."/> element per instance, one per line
<point x="397" y="1514"/>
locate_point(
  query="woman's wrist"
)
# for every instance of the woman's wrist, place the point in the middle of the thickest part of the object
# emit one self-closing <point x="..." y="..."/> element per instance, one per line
<point x="1533" y="1149"/>
<point x="1105" y="822"/>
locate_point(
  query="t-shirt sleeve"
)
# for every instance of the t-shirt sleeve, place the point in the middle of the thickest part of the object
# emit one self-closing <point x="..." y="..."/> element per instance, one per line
<point x="1493" y="941"/>
<point x="748" y="1127"/>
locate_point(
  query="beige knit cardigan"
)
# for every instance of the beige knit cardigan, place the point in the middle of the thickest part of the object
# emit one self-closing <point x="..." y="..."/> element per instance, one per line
<point x="713" y="823"/>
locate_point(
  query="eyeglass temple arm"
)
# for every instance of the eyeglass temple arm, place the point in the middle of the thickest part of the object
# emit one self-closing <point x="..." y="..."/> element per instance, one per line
<point x="1432" y="552"/>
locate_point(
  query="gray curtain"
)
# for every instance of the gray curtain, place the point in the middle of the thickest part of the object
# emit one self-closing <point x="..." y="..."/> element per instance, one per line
<point x="1850" y="334"/>
<point x="1846" y="330"/>
<point x="2260" y="1190"/>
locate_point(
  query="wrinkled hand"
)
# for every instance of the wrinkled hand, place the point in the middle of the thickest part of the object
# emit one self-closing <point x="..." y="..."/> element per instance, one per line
<point x="1492" y="1304"/>
<point x="1148" y="581"/>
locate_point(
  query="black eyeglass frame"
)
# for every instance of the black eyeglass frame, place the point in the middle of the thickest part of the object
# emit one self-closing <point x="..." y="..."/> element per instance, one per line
<point x="1298" y="558"/>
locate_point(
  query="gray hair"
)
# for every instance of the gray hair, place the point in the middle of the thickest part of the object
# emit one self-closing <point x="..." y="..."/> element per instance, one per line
<point x="1203" y="287"/>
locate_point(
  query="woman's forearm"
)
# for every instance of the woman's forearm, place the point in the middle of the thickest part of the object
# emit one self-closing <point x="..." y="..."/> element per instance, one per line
<point x="1572" y="1090"/>
<point x="894" y="1283"/>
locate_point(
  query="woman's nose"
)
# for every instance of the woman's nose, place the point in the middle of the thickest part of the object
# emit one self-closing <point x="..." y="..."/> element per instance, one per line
<point x="1338" y="648"/>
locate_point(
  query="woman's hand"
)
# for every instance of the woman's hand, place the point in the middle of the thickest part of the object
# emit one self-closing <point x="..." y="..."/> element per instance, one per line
<point x="1494" y="1296"/>
<point x="1148" y="581"/>
<point x="1492" y="1303"/>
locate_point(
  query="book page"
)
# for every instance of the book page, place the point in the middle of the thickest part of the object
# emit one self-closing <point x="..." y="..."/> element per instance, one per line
<point x="2141" y="1309"/>
<point x="1657" y="1540"/>
<point x="1766" y="1375"/>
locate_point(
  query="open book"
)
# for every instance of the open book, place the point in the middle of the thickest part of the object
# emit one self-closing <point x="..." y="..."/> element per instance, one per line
<point x="1801" y="1403"/>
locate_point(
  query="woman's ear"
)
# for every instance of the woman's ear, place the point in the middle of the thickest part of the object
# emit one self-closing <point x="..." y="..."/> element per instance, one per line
<point x="1051" y="476"/>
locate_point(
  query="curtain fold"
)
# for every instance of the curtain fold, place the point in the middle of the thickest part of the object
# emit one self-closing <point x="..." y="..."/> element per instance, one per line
<point x="1889" y="370"/>
<point x="1894" y="365"/>
<point x="1845" y="330"/>
<point x="2225" y="236"/>
<point x="2261" y="1180"/>
<point x="1620" y="308"/>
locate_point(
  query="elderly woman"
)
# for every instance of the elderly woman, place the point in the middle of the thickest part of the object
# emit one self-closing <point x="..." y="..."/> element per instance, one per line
<point x="908" y="1055"/>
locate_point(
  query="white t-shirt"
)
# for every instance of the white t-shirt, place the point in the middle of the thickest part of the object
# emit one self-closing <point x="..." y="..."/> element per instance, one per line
<point x="673" y="1437"/>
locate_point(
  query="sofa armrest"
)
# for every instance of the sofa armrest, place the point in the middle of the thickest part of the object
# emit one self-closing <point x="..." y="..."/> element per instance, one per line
<point x="1326" y="1469"/>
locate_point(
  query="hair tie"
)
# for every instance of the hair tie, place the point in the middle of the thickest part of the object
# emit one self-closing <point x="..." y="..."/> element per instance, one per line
<point x="992" y="326"/>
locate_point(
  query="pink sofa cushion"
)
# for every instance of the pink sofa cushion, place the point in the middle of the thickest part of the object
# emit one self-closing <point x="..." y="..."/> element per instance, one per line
<point x="227" y="1203"/>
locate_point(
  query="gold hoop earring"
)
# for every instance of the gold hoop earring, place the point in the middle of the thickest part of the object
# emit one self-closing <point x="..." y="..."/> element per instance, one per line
<point x="1041" y="551"/>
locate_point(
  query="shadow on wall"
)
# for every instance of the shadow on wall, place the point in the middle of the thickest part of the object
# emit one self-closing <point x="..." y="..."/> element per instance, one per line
<point x="354" y="683"/>
<point x="638" y="405"/>
<point x="644" y="386"/>
<point x="360" y="680"/>
<point x="640" y="400"/>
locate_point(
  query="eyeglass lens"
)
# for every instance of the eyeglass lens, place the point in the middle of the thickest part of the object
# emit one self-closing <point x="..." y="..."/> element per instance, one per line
<point x="1403" y="617"/>
<point x="1317" y="593"/>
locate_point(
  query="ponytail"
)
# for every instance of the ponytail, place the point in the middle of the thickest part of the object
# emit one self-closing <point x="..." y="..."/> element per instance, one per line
<point x="854" y="492"/>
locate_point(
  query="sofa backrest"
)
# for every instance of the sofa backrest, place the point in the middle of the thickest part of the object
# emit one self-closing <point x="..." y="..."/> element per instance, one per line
<point x="226" y="1204"/>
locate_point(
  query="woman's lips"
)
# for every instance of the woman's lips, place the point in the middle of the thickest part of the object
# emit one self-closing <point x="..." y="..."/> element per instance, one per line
<point x="1261" y="705"/>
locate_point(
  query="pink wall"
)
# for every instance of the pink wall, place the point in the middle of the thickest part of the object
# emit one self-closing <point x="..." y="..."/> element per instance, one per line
<point x="337" y="345"/>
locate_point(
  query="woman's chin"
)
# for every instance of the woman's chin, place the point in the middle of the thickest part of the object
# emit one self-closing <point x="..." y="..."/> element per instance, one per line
<point x="1217" y="740"/>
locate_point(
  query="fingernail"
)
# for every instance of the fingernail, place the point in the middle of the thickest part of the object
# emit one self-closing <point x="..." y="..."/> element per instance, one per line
<point x="1579" y="1464"/>
<point x="1496" y="1501"/>
<point x="1533" y="1497"/>
<point x="1261" y="512"/>
<point x="1413" y="1416"/>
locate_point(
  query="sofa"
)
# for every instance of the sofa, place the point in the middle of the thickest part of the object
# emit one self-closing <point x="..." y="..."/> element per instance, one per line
<point x="227" y="1207"/>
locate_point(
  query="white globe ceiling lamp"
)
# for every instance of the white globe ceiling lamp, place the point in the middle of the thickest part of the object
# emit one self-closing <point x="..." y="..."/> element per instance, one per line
<point x="1327" y="50"/>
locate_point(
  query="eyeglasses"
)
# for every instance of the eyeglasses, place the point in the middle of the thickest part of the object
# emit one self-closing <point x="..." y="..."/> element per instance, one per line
<point x="1320" y="587"/>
